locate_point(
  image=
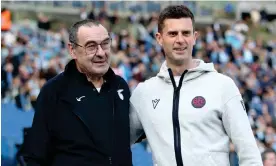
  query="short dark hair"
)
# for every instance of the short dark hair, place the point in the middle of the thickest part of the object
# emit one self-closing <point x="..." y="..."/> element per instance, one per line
<point x="73" y="38"/>
<point x="174" y="12"/>
<point x="270" y="150"/>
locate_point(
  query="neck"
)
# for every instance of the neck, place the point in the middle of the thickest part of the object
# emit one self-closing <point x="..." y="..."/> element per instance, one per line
<point x="97" y="81"/>
<point x="179" y="69"/>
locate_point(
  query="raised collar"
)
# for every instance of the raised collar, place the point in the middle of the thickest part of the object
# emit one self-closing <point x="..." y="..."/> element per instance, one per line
<point x="72" y="71"/>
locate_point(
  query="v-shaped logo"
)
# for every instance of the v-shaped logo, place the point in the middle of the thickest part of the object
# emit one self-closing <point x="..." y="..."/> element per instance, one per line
<point x="155" y="102"/>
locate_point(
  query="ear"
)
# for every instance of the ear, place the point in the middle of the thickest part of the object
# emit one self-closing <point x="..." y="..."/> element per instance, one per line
<point x="159" y="39"/>
<point x="196" y="34"/>
<point x="72" y="51"/>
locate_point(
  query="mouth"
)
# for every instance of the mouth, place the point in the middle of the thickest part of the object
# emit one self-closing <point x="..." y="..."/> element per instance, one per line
<point x="99" y="62"/>
<point x="180" y="49"/>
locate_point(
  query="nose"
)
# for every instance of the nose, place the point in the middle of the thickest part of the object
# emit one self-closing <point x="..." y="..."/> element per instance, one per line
<point x="100" y="51"/>
<point x="180" y="38"/>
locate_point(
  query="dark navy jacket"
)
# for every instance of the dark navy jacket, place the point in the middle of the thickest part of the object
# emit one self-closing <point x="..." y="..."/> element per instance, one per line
<point x="75" y="125"/>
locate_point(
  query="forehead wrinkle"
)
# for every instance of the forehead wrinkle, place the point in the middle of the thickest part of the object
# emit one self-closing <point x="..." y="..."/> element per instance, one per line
<point x="92" y="34"/>
<point x="169" y="25"/>
<point x="93" y="41"/>
<point x="96" y="38"/>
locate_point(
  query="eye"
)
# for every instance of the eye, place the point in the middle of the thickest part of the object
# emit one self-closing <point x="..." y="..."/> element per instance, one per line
<point x="91" y="46"/>
<point x="172" y="34"/>
<point x="105" y="43"/>
<point x="186" y="33"/>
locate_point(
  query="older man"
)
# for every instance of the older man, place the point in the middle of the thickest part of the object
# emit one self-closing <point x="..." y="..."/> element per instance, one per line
<point x="82" y="114"/>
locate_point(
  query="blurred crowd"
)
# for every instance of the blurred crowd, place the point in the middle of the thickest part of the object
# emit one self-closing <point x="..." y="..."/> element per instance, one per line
<point x="31" y="56"/>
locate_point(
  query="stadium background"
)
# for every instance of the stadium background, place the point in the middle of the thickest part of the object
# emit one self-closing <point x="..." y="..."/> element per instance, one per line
<point x="239" y="37"/>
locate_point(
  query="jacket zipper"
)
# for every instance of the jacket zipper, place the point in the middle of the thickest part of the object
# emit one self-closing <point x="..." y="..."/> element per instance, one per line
<point x="175" y="118"/>
<point x="113" y="126"/>
<point x="176" y="129"/>
<point x="110" y="160"/>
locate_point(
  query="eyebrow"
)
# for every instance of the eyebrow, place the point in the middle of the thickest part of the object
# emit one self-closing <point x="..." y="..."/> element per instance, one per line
<point x="92" y="41"/>
<point x="183" y="31"/>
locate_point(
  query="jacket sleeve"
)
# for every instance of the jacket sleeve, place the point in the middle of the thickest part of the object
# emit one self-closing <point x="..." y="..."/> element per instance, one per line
<point x="37" y="144"/>
<point x="237" y="126"/>
<point x="136" y="128"/>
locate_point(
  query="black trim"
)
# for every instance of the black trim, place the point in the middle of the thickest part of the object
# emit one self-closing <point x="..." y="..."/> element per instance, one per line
<point x="175" y="118"/>
<point x="113" y="124"/>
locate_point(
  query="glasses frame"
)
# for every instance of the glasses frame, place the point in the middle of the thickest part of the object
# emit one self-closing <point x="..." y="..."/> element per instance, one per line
<point x="84" y="47"/>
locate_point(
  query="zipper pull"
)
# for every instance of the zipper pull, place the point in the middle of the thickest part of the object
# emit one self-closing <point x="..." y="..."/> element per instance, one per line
<point x="110" y="160"/>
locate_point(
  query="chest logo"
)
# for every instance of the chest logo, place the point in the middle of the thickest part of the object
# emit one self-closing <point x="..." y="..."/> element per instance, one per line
<point x="198" y="102"/>
<point x="79" y="98"/>
<point x="155" y="102"/>
<point x="120" y="94"/>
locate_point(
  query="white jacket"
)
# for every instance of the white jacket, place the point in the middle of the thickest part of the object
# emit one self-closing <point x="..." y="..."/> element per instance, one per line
<point x="211" y="112"/>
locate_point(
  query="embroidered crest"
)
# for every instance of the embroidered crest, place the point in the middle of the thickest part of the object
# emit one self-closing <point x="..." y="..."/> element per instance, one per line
<point x="198" y="102"/>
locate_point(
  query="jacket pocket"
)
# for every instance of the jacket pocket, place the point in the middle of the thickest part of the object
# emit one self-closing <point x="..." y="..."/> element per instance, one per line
<point x="219" y="158"/>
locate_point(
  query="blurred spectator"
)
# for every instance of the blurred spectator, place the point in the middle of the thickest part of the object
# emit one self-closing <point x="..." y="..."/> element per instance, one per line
<point x="6" y="20"/>
<point x="103" y="13"/>
<point x="43" y="22"/>
<point x="255" y="17"/>
<point x="263" y="15"/>
<point x="269" y="157"/>
<point x="83" y="13"/>
<point x="91" y="15"/>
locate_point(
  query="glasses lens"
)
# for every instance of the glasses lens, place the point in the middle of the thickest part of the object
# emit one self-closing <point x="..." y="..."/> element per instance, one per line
<point x="91" y="49"/>
<point x="106" y="44"/>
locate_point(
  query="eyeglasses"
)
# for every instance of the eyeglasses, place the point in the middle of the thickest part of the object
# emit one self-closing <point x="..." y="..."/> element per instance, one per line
<point x="92" y="48"/>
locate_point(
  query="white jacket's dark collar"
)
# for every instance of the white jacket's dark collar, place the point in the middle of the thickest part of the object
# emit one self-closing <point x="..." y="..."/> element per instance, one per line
<point x="201" y="68"/>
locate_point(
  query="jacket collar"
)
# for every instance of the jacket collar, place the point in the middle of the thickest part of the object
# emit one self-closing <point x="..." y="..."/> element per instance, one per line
<point x="202" y="68"/>
<point x="72" y="71"/>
